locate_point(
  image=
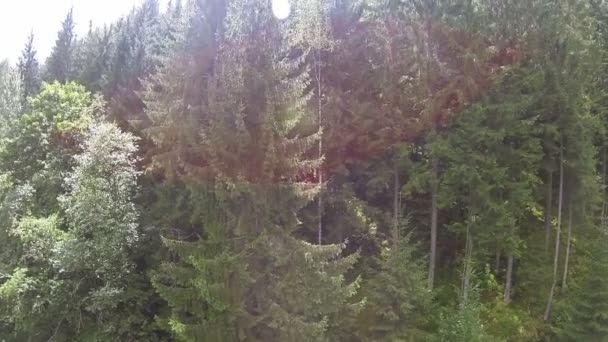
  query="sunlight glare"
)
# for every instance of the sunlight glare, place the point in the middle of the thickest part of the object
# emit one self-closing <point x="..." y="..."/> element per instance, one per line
<point x="281" y="9"/>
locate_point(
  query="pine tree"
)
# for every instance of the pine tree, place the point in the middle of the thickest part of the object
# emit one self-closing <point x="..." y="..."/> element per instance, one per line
<point x="397" y="298"/>
<point x="253" y="99"/>
<point x="490" y="157"/>
<point x="140" y="43"/>
<point x="29" y="70"/>
<point x="58" y="66"/>
<point x="463" y="324"/>
<point x="92" y="57"/>
<point x="252" y="287"/>
<point x="585" y="316"/>
<point x="205" y="287"/>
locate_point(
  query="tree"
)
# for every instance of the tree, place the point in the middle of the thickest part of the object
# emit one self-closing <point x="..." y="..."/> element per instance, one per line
<point x="40" y="147"/>
<point x="80" y="267"/>
<point x="252" y="102"/>
<point x="29" y="70"/>
<point x="58" y="66"/>
<point x="140" y="43"/>
<point x="397" y="298"/>
<point x="584" y="318"/>
<point x="92" y="58"/>
<point x="102" y="223"/>
<point x="490" y="157"/>
<point x="463" y="323"/>
<point x="10" y="106"/>
<point x="570" y="67"/>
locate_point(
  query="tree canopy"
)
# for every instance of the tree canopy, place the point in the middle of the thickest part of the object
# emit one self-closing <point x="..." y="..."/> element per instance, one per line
<point x="357" y="171"/>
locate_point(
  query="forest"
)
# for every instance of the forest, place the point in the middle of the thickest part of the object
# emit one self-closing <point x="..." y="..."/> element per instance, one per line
<point x="309" y="170"/>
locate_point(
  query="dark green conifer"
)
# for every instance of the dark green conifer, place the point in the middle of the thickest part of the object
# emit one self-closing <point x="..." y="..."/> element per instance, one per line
<point x="29" y="70"/>
<point x="58" y="65"/>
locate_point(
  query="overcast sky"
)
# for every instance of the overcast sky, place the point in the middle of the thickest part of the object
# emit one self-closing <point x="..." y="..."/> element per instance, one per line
<point x="44" y="17"/>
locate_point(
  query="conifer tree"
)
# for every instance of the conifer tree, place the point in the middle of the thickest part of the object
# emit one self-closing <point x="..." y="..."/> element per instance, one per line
<point x="294" y="290"/>
<point x="205" y="287"/>
<point x="58" y="66"/>
<point x="490" y="157"/>
<point x="140" y="43"/>
<point x="463" y="324"/>
<point x="585" y="316"/>
<point x="397" y="298"/>
<point x="10" y="106"/>
<point x="92" y="57"/>
<point x="29" y="70"/>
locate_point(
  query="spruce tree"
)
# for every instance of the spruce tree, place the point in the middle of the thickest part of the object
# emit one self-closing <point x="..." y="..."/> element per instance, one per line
<point x="463" y="324"/>
<point x="584" y="317"/>
<point x="204" y="284"/>
<point x="92" y="57"/>
<point x="58" y="66"/>
<point x="398" y="302"/>
<point x="29" y="70"/>
<point x="253" y="99"/>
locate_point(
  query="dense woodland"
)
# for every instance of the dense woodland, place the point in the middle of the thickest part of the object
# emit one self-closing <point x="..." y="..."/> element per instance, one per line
<point x="414" y="170"/>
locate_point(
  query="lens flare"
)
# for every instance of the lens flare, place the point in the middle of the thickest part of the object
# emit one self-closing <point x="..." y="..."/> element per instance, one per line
<point x="281" y="8"/>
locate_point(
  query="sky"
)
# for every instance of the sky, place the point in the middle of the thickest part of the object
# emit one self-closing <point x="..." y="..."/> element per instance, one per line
<point x="44" y="17"/>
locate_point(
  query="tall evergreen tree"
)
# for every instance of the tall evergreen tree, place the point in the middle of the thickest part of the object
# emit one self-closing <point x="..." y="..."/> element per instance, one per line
<point x="253" y="99"/>
<point x="92" y="57"/>
<point x="29" y="70"/>
<point x="585" y="316"/>
<point x="58" y="66"/>
<point x="397" y="298"/>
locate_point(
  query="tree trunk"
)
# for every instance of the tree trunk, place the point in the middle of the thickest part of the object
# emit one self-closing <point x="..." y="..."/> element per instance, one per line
<point x="548" y="206"/>
<point x="396" y="192"/>
<point x="320" y="210"/>
<point x="603" y="214"/>
<point x="568" y="243"/>
<point x="320" y="123"/>
<point x="434" y="159"/>
<point x="434" y="209"/>
<point x="497" y="262"/>
<point x="466" y="277"/>
<point x="508" y="281"/>
<point x="557" y="235"/>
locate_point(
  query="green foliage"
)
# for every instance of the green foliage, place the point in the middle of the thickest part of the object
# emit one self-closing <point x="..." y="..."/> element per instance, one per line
<point x="265" y="286"/>
<point x="92" y="58"/>
<point x="504" y="320"/>
<point x="463" y="323"/>
<point x="398" y="303"/>
<point x="39" y="147"/>
<point x="490" y="158"/>
<point x="10" y="87"/>
<point x="12" y="308"/>
<point x="101" y="216"/>
<point x="39" y="237"/>
<point x="395" y="104"/>
<point x="58" y="66"/>
<point x="80" y="260"/>
<point x="29" y="71"/>
<point x="59" y="115"/>
<point x="583" y="316"/>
